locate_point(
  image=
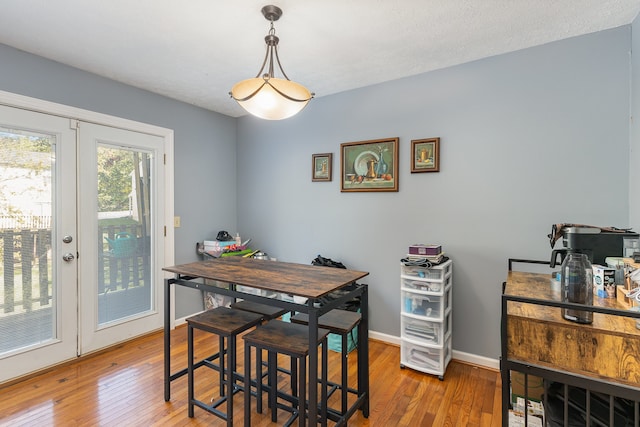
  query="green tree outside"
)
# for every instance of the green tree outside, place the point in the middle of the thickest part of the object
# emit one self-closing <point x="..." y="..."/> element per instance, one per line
<point x="115" y="167"/>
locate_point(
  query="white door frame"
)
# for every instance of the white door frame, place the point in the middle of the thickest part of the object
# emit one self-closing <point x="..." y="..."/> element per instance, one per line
<point x="93" y="334"/>
<point x="47" y="107"/>
<point x="61" y="345"/>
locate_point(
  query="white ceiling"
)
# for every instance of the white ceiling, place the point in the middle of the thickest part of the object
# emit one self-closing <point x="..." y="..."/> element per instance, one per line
<point x="195" y="50"/>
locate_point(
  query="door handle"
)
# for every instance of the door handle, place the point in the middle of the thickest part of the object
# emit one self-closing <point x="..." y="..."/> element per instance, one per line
<point x="68" y="257"/>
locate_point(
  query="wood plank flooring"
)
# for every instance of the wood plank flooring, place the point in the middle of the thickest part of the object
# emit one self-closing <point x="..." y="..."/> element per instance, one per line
<point x="123" y="386"/>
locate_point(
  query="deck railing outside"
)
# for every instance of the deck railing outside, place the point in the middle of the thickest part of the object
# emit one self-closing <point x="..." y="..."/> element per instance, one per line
<point x="26" y="262"/>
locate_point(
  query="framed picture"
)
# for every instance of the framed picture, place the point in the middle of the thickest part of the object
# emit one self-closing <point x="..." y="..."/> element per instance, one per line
<point x="321" y="167"/>
<point x="369" y="165"/>
<point x="425" y="155"/>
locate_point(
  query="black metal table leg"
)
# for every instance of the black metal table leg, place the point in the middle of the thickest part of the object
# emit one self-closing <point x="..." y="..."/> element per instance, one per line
<point x="363" y="351"/>
<point x="313" y="365"/>
<point x="167" y="341"/>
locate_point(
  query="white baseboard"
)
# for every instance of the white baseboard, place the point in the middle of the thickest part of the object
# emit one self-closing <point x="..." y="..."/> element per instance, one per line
<point x="486" y="362"/>
<point x="385" y="338"/>
<point x="182" y="320"/>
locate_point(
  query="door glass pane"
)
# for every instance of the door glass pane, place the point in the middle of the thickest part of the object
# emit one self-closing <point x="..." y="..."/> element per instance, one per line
<point x="27" y="290"/>
<point x="124" y="242"/>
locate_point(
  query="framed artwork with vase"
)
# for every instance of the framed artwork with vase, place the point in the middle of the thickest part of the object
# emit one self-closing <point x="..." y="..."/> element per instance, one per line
<point x="425" y="155"/>
<point x="321" y="166"/>
<point x="369" y="165"/>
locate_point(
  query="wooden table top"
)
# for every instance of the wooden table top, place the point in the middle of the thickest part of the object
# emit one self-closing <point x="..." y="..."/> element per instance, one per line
<point x="307" y="281"/>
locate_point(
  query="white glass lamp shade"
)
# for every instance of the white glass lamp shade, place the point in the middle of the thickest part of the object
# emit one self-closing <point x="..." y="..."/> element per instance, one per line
<point x="267" y="103"/>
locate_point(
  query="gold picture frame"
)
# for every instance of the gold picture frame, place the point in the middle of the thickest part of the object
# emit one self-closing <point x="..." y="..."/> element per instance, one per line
<point x="321" y="165"/>
<point x="425" y="155"/>
<point x="369" y="165"/>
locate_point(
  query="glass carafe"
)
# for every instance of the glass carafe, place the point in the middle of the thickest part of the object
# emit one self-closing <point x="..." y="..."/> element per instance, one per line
<point x="577" y="286"/>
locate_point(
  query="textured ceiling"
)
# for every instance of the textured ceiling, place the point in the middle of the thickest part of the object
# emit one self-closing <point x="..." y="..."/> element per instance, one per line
<point x="195" y="50"/>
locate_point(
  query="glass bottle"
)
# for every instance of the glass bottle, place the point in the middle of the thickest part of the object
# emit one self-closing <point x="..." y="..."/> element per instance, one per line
<point x="577" y="286"/>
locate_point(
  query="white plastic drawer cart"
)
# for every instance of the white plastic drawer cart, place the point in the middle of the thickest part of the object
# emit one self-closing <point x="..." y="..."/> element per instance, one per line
<point x="425" y="317"/>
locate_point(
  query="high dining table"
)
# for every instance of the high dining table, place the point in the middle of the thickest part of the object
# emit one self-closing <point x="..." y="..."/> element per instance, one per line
<point x="232" y="276"/>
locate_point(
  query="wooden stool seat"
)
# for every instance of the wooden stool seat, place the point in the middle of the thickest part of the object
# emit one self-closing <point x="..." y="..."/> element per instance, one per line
<point x="283" y="337"/>
<point x="226" y="323"/>
<point x="269" y="312"/>
<point x="340" y="322"/>
<point x="336" y="321"/>
<point x="292" y="340"/>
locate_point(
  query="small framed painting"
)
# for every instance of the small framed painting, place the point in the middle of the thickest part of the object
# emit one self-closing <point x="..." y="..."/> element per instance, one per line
<point x="369" y="165"/>
<point x="321" y="167"/>
<point x="425" y="155"/>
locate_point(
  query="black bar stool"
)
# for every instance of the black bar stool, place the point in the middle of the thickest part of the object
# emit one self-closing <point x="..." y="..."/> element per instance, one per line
<point x="278" y="337"/>
<point x="269" y="313"/>
<point x="226" y="323"/>
<point x="339" y="322"/>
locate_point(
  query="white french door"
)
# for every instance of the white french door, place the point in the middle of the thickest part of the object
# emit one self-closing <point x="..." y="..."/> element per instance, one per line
<point x="82" y="234"/>
<point x="38" y="296"/>
<point x="121" y="246"/>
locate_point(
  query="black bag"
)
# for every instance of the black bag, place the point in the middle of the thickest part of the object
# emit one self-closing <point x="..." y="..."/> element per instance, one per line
<point x="327" y="262"/>
<point x="351" y="305"/>
<point x="224" y="236"/>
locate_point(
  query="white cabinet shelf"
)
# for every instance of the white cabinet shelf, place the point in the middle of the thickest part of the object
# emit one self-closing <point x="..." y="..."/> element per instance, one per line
<point x="425" y="317"/>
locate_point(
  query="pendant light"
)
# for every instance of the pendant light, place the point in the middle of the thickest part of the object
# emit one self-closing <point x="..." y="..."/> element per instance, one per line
<point x="267" y="96"/>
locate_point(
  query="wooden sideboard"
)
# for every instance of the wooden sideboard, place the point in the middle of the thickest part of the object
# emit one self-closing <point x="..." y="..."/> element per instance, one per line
<point x="603" y="356"/>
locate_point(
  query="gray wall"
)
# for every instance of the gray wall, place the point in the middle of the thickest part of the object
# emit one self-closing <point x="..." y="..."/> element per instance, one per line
<point x="528" y="139"/>
<point x="204" y="144"/>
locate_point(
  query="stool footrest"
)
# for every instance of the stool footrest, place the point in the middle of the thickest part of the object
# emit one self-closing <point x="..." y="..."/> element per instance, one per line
<point x="213" y="407"/>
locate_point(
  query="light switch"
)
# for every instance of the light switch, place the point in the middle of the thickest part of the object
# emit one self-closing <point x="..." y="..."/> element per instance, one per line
<point x="176" y="221"/>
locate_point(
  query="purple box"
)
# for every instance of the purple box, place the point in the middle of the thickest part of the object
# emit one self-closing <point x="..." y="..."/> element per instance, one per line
<point x="419" y="249"/>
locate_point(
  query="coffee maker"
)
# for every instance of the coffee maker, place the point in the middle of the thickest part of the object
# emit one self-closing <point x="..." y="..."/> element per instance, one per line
<point x="596" y="242"/>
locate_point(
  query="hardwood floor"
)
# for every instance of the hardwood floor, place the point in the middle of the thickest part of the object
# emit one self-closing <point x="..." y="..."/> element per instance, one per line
<point x="124" y="387"/>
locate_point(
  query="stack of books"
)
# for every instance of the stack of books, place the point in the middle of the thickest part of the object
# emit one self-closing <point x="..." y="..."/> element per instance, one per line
<point x="217" y="246"/>
<point x="432" y="253"/>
